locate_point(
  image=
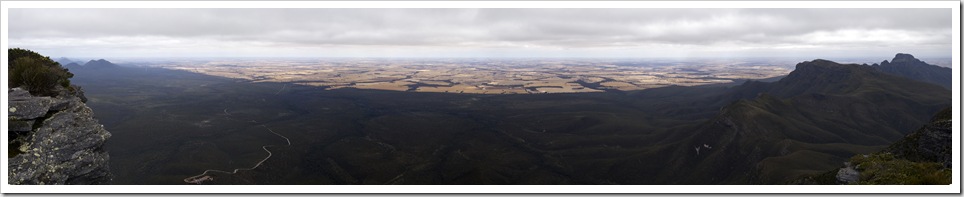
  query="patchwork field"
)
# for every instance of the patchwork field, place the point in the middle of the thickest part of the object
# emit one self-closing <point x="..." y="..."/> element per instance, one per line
<point x="506" y="77"/>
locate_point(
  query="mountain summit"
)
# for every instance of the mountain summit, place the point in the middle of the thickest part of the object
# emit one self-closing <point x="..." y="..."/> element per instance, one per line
<point x="903" y="57"/>
<point x="810" y="121"/>
<point x="101" y="63"/>
<point x="91" y="65"/>
<point x="905" y="65"/>
<point x="822" y="76"/>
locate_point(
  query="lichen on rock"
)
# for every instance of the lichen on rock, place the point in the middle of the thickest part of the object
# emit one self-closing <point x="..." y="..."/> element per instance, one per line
<point x="62" y="145"/>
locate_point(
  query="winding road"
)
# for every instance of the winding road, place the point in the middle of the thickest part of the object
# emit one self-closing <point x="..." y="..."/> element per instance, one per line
<point x="197" y="179"/>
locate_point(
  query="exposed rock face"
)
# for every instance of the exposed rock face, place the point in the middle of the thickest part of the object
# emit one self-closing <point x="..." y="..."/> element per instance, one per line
<point x="847" y="174"/>
<point x="930" y="143"/>
<point x="57" y="141"/>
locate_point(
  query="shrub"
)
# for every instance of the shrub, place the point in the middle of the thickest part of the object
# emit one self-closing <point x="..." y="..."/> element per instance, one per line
<point x="885" y="169"/>
<point x="36" y="73"/>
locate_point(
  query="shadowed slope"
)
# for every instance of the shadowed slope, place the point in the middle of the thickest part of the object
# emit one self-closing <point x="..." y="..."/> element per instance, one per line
<point x="816" y="117"/>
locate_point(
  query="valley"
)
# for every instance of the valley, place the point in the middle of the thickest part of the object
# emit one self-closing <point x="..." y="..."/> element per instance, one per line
<point x="627" y="97"/>
<point x="171" y="124"/>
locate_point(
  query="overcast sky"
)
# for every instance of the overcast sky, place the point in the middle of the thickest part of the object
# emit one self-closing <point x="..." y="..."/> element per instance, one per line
<point x="644" y="33"/>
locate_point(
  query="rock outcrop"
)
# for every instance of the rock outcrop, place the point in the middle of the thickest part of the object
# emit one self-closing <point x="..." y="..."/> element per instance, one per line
<point x="930" y="143"/>
<point x="55" y="140"/>
<point x="805" y="115"/>
<point x="922" y="157"/>
<point x="847" y="174"/>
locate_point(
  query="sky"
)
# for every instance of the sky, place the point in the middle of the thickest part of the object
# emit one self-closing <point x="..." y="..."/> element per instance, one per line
<point x="481" y="33"/>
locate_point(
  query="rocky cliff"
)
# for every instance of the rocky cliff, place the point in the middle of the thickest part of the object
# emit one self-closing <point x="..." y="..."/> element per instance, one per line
<point x="55" y="140"/>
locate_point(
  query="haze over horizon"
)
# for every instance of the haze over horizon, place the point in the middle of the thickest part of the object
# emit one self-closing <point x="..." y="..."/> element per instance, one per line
<point x="482" y="33"/>
<point x="496" y="97"/>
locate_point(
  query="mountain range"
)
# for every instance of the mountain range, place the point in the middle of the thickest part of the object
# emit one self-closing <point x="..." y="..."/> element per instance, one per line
<point x="906" y="65"/>
<point x="64" y="61"/>
<point x="809" y="122"/>
<point x="921" y="157"/>
<point x="813" y="119"/>
<point x="92" y="64"/>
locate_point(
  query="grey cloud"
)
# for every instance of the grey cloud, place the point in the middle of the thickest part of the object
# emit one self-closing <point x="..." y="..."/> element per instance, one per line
<point x="558" y="28"/>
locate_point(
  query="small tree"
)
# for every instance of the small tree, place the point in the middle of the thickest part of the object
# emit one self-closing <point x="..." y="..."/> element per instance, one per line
<point x="36" y="73"/>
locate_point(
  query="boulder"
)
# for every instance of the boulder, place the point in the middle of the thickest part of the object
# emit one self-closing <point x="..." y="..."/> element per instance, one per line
<point x="847" y="174"/>
<point x="25" y="108"/>
<point x="58" y="104"/>
<point x="18" y="92"/>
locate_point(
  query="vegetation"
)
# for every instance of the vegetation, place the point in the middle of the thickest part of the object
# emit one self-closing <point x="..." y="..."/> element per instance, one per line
<point x="352" y="136"/>
<point x="36" y="73"/>
<point x="920" y="158"/>
<point x="811" y="121"/>
<point x="884" y="168"/>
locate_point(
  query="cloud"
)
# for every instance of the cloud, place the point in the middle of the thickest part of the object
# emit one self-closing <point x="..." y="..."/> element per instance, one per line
<point x="178" y="32"/>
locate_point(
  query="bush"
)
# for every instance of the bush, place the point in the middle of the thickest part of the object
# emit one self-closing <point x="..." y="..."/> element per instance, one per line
<point x="36" y="73"/>
<point x="885" y="169"/>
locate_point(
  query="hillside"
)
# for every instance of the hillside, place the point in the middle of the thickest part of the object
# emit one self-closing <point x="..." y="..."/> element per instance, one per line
<point x="758" y="132"/>
<point x="819" y="115"/>
<point x="922" y="157"/>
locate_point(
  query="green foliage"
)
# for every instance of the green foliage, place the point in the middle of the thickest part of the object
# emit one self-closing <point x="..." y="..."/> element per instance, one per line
<point x="36" y="73"/>
<point x="17" y="53"/>
<point x="885" y="169"/>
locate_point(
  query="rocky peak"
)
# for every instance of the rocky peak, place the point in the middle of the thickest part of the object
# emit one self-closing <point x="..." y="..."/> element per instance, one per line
<point x="820" y="66"/>
<point x="816" y="76"/>
<point x="903" y="57"/>
<point x="905" y="65"/>
<point x="55" y="140"/>
<point x="824" y="70"/>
